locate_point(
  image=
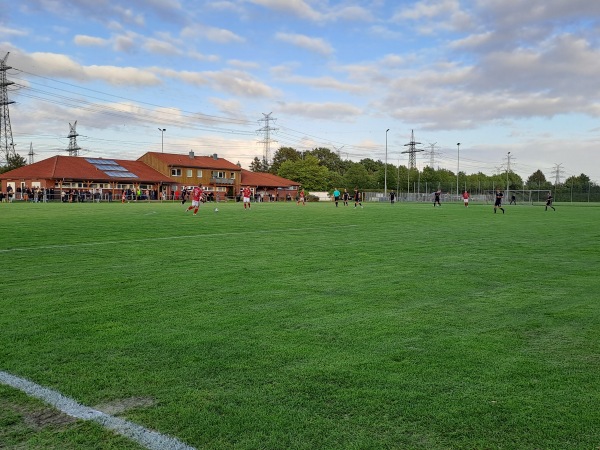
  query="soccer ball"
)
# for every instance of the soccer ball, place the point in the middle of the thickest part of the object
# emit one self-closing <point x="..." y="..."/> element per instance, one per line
<point x="216" y="209"/>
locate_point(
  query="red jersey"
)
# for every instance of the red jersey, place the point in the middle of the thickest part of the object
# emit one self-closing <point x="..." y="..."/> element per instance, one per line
<point x="247" y="192"/>
<point x="465" y="195"/>
<point x="197" y="194"/>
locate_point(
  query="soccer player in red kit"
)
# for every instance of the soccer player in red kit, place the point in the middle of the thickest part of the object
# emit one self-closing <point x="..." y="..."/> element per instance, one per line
<point x="246" y="193"/>
<point x="196" y="196"/>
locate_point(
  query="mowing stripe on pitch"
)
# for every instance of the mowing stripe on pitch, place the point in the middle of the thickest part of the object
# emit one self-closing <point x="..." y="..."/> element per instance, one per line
<point x="165" y="238"/>
<point x="150" y="439"/>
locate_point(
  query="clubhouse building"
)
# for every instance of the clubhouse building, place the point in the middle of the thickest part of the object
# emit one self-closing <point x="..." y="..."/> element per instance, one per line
<point x="153" y="176"/>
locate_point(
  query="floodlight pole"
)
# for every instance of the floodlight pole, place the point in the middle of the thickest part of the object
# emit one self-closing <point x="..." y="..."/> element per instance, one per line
<point x="507" y="171"/>
<point x="457" y="167"/>
<point x="385" y="169"/>
<point x="162" y="139"/>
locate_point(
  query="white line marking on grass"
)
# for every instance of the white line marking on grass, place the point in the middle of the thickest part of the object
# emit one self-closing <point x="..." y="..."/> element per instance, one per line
<point x="165" y="238"/>
<point x="150" y="439"/>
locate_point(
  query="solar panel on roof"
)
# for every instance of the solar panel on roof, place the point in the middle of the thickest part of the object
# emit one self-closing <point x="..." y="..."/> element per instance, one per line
<point x="111" y="168"/>
<point x="120" y="174"/>
<point x="96" y="161"/>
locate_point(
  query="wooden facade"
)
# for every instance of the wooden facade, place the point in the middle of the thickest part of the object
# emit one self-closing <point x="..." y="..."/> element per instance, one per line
<point x="220" y="177"/>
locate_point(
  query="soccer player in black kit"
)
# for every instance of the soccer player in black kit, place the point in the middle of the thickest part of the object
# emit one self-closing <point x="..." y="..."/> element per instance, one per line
<point x="498" y="204"/>
<point x="346" y="197"/>
<point x="549" y="202"/>
<point x="436" y="198"/>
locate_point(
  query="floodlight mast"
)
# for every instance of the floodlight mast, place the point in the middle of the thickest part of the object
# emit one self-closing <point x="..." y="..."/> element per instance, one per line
<point x="507" y="172"/>
<point x="457" y="167"/>
<point x="385" y="169"/>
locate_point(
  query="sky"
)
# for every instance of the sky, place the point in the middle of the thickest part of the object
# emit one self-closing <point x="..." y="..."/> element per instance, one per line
<point x="515" y="82"/>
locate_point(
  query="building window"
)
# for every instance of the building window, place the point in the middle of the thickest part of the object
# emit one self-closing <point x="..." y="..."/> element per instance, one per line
<point x="175" y="172"/>
<point x="199" y="173"/>
<point x="188" y="173"/>
<point x="216" y="174"/>
<point x="233" y="175"/>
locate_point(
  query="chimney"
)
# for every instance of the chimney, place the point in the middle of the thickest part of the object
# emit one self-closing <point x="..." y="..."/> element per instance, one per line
<point x="215" y="156"/>
<point x="191" y="154"/>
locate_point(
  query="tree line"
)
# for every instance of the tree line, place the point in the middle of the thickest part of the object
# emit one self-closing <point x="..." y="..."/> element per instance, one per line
<point x="321" y="169"/>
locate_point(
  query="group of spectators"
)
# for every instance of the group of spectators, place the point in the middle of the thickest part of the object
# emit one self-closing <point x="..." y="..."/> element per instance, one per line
<point x="28" y="194"/>
<point x="39" y="194"/>
<point x="266" y="197"/>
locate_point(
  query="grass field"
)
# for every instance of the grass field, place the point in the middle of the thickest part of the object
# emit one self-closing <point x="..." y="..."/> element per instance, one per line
<point x="289" y="327"/>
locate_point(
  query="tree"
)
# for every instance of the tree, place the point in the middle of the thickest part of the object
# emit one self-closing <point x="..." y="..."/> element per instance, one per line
<point x="392" y="177"/>
<point x="14" y="161"/>
<point x="335" y="180"/>
<point x="371" y="165"/>
<point x="356" y="175"/>
<point x="327" y="158"/>
<point x="307" y="172"/>
<point x="580" y="182"/>
<point x="258" y="165"/>
<point x="282" y="155"/>
<point x="536" y="179"/>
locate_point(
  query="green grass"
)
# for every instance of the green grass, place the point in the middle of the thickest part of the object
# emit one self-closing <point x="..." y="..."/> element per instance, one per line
<point x="306" y="327"/>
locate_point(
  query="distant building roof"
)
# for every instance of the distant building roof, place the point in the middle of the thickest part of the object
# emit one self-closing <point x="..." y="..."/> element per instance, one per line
<point x="87" y="169"/>
<point x="201" y="162"/>
<point x="263" y="179"/>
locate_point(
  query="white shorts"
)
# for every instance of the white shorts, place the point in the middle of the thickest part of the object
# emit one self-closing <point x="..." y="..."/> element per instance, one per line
<point x="466" y="200"/>
<point x="246" y="199"/>
<point x="195" y="203"/>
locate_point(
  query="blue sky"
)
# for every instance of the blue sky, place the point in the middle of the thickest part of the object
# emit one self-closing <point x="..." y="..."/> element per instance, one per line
<point x="498" y="76"/>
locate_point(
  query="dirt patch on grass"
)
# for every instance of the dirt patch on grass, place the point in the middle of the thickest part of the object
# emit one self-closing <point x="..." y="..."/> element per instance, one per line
<point x="41" y="417"/>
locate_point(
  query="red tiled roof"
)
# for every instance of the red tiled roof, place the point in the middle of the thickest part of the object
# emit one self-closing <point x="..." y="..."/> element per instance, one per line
<point x="76" y="167"/>
<point x="265" y="179"/>
<point x="201" y="162"/>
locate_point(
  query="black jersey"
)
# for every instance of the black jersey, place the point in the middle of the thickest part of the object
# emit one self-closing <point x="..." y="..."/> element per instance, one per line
<point x="499" y="196"/>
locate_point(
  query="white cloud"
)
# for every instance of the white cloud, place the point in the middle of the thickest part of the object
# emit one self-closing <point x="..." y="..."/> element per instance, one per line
<point x="230" y="107"/>
<point x="353" y="13"/>
<point x="161" y="47"/>
<point x="213" y="34"/>
<point x="61" y="66"/>
<point x="12" y="32"/>
<point x="202" y="57"/>
<point x="325" y="110"/>
<point x="428" y="10"/>
<point x="189" y="77"/>
<point x="299" y="8"/>
<point x="129" y="76"/>
<point x="125" y="43"/>
<point x="434" y="16"/>
<point x="316" y="45"/>
<point x="89" y="41"/>
<point x="233" y="82"/>
<point x="324" y="82"/>
<point x="240" y="83"/>
<point x="245" y="65"/>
